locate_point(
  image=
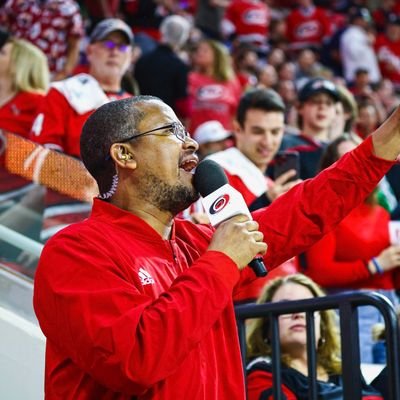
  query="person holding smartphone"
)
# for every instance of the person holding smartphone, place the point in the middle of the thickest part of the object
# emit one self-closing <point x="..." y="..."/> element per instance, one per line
<point x="258" y="131"/>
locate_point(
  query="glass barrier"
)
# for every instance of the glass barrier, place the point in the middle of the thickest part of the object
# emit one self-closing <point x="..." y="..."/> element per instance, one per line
<point x="41" y="191"/>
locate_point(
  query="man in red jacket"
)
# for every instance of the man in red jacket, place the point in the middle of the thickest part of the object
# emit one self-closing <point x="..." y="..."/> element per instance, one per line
<point x="134" y="302"/>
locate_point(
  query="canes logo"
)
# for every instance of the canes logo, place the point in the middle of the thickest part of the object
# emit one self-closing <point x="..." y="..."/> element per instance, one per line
<point x="210" y="92"/>
<point x="219" y="204"/>
<point x="255" y="17"/>
<point x="307" y="29"/>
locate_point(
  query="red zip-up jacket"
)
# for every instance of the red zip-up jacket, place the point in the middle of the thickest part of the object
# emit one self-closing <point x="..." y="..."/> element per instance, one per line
<point x="129" y="315"/>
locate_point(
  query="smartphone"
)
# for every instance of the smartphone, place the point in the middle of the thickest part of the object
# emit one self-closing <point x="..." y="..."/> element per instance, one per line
<point x="284" y="161"/>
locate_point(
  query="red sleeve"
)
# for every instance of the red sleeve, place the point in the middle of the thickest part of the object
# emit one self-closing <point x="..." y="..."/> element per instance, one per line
<point x="261" y="381"/>
<point x="326" y="271"/>
<point x="49" y="126"/>
<point x="300" y="217"/>
<point x="116" y="326"/>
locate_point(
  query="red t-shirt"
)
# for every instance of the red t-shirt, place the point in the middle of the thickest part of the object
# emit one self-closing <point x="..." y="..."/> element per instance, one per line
<point x="212" y="100"/>
<point x="339" y="259"/>
<point x="307" y="28"/>
<point x="17" y="115"/>
<point x="250" y="19"/>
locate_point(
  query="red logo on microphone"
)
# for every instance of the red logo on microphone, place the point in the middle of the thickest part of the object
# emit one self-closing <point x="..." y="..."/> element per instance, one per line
<point x="219" y="204"/>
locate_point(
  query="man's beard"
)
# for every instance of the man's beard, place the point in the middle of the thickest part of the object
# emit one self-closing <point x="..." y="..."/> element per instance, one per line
<point x="166" y="197"/>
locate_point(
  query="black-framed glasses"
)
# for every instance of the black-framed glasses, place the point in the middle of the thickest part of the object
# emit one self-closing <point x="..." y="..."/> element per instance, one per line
<point x="176" y="128"/>
<point x="110" y="45"/>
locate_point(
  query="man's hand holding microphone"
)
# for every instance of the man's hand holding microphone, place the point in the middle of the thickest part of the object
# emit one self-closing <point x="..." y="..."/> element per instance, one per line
<point x="237" y="234"/>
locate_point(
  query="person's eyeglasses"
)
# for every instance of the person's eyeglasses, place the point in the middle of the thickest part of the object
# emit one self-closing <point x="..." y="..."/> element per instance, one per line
<point x="177" y="129"/>
<point x="110" y="45"/>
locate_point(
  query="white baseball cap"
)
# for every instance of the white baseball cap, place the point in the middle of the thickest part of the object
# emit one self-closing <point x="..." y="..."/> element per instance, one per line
<point x="210" y="131"/>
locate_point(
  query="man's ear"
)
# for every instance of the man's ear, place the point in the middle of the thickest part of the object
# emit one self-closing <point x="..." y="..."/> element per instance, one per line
<point x="123" y="155"/>
<point x="236" y="127"/>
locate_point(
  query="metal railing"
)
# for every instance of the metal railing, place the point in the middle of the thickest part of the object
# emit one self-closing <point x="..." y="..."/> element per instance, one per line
<point x="347" y="304"/>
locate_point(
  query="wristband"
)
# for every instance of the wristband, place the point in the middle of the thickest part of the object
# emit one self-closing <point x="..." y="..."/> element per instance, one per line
<point x="378" y="267"/>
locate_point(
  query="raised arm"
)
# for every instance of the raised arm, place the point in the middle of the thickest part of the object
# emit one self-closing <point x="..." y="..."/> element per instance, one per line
<point x="303" y="215"/>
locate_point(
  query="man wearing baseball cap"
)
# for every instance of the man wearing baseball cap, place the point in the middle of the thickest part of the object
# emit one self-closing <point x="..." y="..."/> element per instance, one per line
<point x="316" y="110"/>
<point x="71" y="101"/>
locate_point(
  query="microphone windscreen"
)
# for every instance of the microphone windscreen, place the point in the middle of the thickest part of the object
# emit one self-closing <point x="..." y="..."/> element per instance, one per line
<point x="208" y="177"/>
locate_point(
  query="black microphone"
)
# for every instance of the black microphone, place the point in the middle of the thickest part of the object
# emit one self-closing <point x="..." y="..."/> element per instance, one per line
<point x="221" y="201"/>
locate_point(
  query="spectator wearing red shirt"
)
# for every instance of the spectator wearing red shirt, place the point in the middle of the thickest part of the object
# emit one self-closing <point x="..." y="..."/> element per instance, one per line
<point x="307" y="25"/>
<point x="387" y="48"/>
<point x="249" y="21"/>
<point x="70" y="102"/>
<point x="214" y="89"/>
<point x="24" y="80"/>
<point x="54" y="26"/>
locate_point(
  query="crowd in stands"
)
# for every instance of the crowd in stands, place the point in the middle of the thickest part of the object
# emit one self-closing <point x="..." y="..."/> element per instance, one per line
<point x="248" y="78"/>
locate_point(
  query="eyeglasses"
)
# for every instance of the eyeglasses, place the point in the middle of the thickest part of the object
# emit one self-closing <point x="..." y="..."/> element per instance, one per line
<point x="110" y="45"/>
<point x="177" y="129"/>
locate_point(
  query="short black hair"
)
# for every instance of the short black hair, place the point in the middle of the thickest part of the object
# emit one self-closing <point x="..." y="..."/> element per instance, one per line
<point x="261" y="99"/>
<point x="110" y="123"/>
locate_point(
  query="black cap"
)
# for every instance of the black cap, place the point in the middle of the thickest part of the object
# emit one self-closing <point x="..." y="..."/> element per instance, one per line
<point x="318" y="85"/>
<point x="4" y="36"/>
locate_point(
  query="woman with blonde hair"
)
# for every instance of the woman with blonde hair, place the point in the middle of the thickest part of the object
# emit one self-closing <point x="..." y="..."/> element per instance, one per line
<point x="24" y="80"/>
<point x="293" y="341"/>
<point x="214" y="89"/>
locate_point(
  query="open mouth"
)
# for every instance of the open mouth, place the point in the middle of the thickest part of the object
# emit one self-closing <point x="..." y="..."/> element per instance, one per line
<point x="189" y="165"/>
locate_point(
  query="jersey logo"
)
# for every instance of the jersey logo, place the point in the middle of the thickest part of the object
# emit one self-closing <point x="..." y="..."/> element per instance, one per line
<point x="145" y="277"/>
